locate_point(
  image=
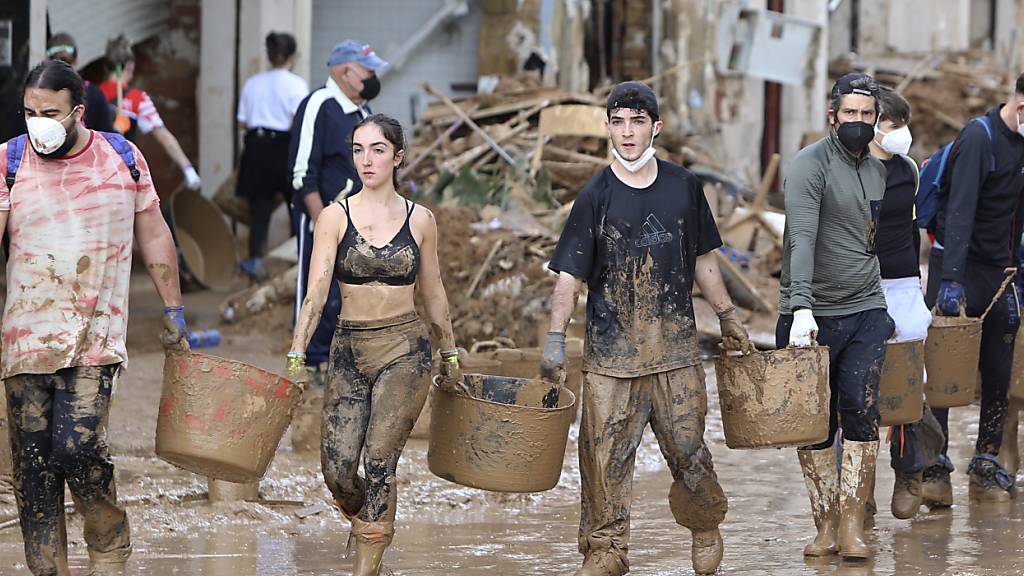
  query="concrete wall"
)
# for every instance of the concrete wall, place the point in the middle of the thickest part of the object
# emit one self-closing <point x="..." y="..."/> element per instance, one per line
<point x="216" y="93"/>
<point x="804" y="107"/>
<point x="913" y="26"/>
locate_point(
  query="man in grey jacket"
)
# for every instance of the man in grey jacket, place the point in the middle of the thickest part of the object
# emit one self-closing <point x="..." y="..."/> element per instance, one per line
<point x="831" y="290"/>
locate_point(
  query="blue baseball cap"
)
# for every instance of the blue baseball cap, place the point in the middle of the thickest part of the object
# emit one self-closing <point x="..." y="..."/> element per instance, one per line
<point x="353" y="51"/>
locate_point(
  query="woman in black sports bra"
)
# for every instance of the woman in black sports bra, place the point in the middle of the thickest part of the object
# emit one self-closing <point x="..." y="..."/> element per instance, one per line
<point x="382" y="250"/>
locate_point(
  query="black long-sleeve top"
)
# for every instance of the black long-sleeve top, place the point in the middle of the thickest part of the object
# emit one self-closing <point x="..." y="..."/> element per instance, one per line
<point x="980" y="220"/>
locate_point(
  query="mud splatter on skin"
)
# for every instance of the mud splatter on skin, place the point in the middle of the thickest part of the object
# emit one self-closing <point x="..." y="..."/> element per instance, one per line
<point x="162" y="271"/>
<point x="83" y="264"/>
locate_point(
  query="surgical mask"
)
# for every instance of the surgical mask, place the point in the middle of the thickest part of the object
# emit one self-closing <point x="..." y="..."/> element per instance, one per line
<point x="371" y="88"/>
<point x="896" y="142"/>
<point x="855" y="135"/>
<point x="640" y="162"/>
<point x="49" y="138"/>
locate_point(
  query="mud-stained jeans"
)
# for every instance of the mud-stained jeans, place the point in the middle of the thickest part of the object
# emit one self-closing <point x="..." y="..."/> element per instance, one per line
<point x="58" y="428"/>
<point x="615" y="413"/>
<point x="377" y="383"/>
<point x="856" y="353"/>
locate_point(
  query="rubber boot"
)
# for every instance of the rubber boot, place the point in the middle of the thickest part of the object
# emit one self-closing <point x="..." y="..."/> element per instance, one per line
<point x="871" y="508"/>
<point x="110" y="563"/>
<point x="371" y="539"/>
<point x="855" y="480"/>
<point x="602" y="564"/>
<point x="1009" y="453"/>
<point x="822" y="480"/>
<point x="706" y="553"/>
<point x="906" y="495"/>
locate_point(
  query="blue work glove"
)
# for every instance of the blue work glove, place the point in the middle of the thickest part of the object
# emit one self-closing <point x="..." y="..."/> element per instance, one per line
<point x="951" y="298"/>
<point x="175" y="335"/>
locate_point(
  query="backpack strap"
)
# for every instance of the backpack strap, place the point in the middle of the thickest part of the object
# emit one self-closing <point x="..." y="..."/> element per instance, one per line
<point x="991" y="140"/>
<point x="15" y="151"/>
<point x="124" y="150"/>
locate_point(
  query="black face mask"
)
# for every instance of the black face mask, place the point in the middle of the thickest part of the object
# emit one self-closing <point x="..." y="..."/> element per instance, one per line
<point x="371" y="88"/>
<point x="855" y="136"/>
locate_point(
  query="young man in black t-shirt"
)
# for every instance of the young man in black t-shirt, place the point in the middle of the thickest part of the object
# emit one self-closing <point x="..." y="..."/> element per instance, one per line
<point x="639" y="234"/>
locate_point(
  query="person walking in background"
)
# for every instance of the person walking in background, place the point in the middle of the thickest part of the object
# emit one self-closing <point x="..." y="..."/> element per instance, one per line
<point x="265" y="110"/>
<point x="61" y="46"/>
<point x="134" y="111"/>
<point x="320" y="162"/>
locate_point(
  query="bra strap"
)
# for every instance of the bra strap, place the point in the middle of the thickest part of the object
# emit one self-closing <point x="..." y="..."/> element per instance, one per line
<point x="411" y="206"/>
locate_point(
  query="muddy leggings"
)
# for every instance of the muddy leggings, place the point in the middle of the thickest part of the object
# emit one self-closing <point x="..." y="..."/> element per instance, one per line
<point x="855" y="356"/>
<point x="615" y="413"/>
<point x="58" y="428"/>
<point x="377" y="382"/>
<point x="998" y="334"/>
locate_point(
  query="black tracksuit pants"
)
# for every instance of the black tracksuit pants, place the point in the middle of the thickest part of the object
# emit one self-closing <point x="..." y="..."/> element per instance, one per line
<point x="998" y="334"/>
<point x="263" y="175"/>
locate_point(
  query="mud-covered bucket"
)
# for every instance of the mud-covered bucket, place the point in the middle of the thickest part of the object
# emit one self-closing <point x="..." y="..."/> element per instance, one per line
<point x="509" y="436"/>
<point x="901" y="390"/>
<point x="205" y="243"/>
<point x="525" y="363"/>
<point x="1017" y="372"/>
<point x="774" y="398"/>
<point x="221" y="418"/>
<point x="951" y="360"/>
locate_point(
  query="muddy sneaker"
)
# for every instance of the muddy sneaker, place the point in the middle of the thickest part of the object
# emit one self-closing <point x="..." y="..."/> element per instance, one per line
<point x="989" y="481"/>
<point x="936" y="489"/>
<point x="602" y="564"/>
<point x="253" y="267"/>
<point x="706" y="553"/>
<point x="906" y="495"/>
<point x="110" y="563"/>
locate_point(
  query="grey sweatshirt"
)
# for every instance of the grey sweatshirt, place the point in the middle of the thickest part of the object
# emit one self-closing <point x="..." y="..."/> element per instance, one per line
<point x="832" y="203"/>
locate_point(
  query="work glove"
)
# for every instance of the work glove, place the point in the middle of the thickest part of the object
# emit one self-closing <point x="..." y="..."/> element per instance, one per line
<point x="451" y="373"/>
<point x="192" y="181"/>
<point x="734" y="335"/>
<point x="175" y="335"/>
<point x="951" y="298"/>
<point x="804" y="330"/>
<point x="552" y="363"/>
<point x="295" y="368"/>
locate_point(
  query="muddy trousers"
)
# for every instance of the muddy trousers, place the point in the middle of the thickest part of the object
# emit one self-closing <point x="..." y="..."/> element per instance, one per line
<point x="914" y="447"/>
<point x="58" y="428"/>
<point x="377" y="383"/>
<point x="998" y="334"/>
<point x="855" y="357"/>
<point x="615" y="413"/>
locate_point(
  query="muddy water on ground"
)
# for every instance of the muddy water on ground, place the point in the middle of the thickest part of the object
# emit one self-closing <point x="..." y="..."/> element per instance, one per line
<point x="446" y="530"/>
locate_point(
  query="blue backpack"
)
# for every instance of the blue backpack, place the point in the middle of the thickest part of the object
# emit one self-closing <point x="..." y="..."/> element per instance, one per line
<point x="16" y="149"/>
<point x="933" y="169"/>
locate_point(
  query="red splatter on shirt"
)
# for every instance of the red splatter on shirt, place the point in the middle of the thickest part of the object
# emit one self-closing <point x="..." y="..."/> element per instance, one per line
<point x="71" y="226"/>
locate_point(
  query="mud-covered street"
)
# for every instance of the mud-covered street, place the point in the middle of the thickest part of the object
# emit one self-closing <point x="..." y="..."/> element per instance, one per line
<point x="445" y="529"/>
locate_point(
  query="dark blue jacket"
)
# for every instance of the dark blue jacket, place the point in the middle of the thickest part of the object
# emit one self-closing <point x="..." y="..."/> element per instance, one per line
<point x="320" y="151"/>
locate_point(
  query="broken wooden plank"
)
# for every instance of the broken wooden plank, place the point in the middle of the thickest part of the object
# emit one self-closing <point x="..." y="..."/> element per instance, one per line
<point x="469" y="121"/>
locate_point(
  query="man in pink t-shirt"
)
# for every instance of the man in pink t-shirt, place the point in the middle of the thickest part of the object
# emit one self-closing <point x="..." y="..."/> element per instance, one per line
<point x="72" y="208"/>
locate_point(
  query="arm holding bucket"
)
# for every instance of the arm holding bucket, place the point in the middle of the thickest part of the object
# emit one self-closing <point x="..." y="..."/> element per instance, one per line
<point x="326" y="237"/>
<point x="161" y="259"/>
<point x="563" y="303"/>
<point x="435" y="300"/>
<point x="709" y="277"/>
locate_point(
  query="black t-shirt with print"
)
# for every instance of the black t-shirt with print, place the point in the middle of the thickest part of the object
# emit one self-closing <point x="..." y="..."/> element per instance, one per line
<point x="637" y="249"/>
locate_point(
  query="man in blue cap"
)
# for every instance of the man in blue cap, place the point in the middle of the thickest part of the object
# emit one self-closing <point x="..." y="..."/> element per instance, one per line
<point x="320" y="160"/>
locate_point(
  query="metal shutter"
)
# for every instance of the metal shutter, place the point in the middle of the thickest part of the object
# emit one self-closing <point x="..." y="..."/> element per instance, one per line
<point x="93" y="22"/>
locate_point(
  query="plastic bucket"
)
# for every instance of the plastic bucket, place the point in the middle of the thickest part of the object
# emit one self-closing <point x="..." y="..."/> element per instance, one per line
<point x="1017" y="372"/>
<point x="470" y="363"/>
<point x="525" y="363"/>
<point x="508" y="437"/>
<point x="774" y="398"/>
<point x="205" y="243"/>
<point x="222" y="418"/>
<point x="951" y="360"/>
<point x="901" y="390"/>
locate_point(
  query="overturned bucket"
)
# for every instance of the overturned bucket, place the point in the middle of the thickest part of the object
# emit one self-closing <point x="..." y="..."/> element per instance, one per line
<point x="901" y="390"/>
<point x="221" y="418"/>
<point x="205" y="243"/>
<point x="509" y="436"/>
<point x="951" y="360"/>
<point x="774" y="398"/>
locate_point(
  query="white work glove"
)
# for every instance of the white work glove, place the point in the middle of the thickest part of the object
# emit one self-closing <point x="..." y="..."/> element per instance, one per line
<point x="804" y="330"/>
<point x="191" y="178"/>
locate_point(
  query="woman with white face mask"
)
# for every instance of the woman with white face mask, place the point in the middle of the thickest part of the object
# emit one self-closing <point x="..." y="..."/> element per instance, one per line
<point x="897" y="245"/>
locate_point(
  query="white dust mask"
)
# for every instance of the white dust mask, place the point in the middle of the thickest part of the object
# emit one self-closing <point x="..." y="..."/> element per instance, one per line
<point x="896" y="142"/>
<point x="46" y="134"/>
<point x="640" y="162"/>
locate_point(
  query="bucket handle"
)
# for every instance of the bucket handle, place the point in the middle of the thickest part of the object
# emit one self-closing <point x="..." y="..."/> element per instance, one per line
<point x="461" y="389"/>
<point x="1008" y="272"/>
